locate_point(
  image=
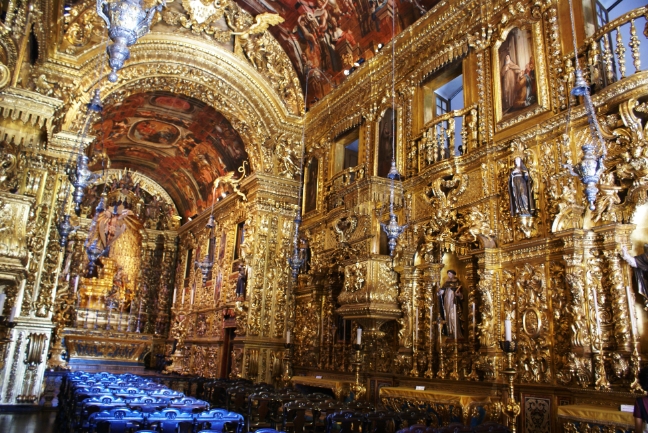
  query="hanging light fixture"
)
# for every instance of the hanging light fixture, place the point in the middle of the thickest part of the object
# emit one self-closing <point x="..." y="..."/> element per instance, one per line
<point x="591" y="167"/>
<point x="127" y="21"/>
<point x="392" y="229"/>
<point x="80" y="178"/>
<point x="296" y="261"/>
<point x="207" y="263"/>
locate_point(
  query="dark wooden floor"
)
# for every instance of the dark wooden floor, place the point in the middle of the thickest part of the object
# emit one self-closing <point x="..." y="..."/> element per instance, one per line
<point x="27" y="422"/>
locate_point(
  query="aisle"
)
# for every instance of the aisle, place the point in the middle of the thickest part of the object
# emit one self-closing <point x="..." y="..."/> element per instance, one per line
<point x="27" y="422"/>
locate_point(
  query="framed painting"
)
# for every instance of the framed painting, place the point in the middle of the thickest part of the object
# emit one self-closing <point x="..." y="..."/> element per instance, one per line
<point x="519" y="75"/>
<point x="310" y="197"/>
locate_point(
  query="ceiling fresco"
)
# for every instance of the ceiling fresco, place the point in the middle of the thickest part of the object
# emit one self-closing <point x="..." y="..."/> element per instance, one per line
<point x="180" y="142"/>
<point x="332" y="34"/>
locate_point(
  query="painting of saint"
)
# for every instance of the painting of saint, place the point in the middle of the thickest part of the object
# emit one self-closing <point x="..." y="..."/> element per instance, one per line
<point x="221" y="251"/>
<point x="517" y="72"/>
<point x="311" y="186"/>
<point x="154" y="131"/>
<point x="387" y="134"/>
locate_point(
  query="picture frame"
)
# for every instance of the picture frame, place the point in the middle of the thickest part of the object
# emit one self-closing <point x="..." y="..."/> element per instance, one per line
<point x="520" y="85"/>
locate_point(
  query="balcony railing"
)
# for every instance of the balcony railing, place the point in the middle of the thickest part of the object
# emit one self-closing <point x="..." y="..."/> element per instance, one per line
<point x="614" y="52"/>
<point x="452" y="134"/>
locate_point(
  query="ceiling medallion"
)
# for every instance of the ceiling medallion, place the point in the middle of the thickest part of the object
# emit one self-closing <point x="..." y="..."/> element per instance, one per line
<point x="205" y="11"/>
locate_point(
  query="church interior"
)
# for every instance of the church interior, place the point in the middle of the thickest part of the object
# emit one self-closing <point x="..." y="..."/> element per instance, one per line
<point x="324" y="215"/>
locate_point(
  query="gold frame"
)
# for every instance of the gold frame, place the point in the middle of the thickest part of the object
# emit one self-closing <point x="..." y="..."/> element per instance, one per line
<point x="543" y="104"/>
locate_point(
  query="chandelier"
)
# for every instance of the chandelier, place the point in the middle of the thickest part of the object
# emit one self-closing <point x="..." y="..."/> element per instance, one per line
<point x="127" y="21"/>
<point x="207" y="263"/>
<point x="392" y="229"/>
<point x="590" y="168"/>
<point x="80" y="177"/>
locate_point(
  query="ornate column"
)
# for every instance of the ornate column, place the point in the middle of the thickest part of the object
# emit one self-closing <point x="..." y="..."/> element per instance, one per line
<point x="576" y="368"/>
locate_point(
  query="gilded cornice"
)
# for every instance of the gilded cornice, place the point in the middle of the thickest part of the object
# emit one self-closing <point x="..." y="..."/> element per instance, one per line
<point x="28" y="106"/>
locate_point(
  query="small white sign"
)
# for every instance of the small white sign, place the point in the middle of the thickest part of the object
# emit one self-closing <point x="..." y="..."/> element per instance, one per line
<point x="420" y="388"/>
<point x="318" y="377"/>
<point x="627" y="408"/>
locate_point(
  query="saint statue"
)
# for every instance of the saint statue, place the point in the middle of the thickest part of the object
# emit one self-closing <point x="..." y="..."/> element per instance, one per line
<point x="639" y="265"/>
<point x="450" y="298"/>
<point x="521" y="190"/>
<point x="241" y="282"/>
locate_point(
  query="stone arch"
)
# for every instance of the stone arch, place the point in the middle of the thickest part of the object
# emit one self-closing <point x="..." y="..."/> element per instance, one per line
<point x="207" y="73"/>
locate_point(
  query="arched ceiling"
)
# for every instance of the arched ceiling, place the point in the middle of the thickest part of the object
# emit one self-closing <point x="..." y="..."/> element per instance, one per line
<point x="332" y="34"/>
<point x="326" y="34"/>
<point x="180" y="142"/>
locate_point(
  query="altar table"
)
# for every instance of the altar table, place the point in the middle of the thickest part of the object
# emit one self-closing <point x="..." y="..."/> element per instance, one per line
<point x="340" y="388"/>
<point x="583" y="417"/>
<point x="444" y="407"/>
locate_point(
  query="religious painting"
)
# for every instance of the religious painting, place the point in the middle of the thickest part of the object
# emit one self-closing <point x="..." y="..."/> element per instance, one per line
<point x="386" y="143"/>
<point x="517" y="72"/>
<point x="217" y="286"/>
<point x="180" y="142"/>
<point x="310" y="197"/>
<point x="519" y="78"/>
<point x="155" y="132"/>
<point x="221" y="251"/>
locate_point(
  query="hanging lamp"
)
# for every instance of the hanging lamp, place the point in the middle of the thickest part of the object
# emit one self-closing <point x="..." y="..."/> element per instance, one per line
<point x="590" y="168"/>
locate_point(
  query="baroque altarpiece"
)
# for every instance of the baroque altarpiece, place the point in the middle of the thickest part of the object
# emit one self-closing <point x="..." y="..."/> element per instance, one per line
<point x="208" y="123"/>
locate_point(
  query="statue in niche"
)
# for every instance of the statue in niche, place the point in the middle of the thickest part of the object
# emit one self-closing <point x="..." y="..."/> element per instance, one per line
<point x="521" y="190"/>
<point x="450" y="297"/>
<point x="639" y="266"/>
<point x="241" y="282"/>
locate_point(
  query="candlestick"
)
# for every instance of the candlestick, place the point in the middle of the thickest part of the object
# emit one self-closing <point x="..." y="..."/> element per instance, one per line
<point x="474" y="320"/>
<point x="344" y="330"/>
<point x="359" y="336"/>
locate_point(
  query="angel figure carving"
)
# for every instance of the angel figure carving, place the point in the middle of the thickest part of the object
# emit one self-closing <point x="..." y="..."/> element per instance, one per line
<point x="230" y="180"/>
<point x="244" y="44"/>
<point x="110" y="225"/>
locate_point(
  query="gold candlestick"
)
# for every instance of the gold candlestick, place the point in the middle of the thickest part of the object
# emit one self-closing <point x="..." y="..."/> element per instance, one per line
<point x="454" y="375"/>
<point x="442" y="373"/>
<point x="286" y="374"/>
<point x="512" y="408"/>
<point x="358" y="388"/>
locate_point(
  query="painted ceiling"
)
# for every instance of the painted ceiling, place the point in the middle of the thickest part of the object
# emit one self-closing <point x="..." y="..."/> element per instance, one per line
<point x="332" y="34"/>
<point x="179" y="142"/>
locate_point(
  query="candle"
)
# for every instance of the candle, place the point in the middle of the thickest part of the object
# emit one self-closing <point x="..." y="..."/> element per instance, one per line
<point x="596" y="313"/>
<point x="287" y="337"/>
<point x="193" y="294"/>
<point x="359" y="336"/>
<point x="12" y="314"/>
<point x="183" y="293"/>
<point x="76" y="284"/>
<point x="3" y="298"/>
<point x="454" y="319"/>
<point x="416" y="324"/>
<point x="631" y="311"/>
<point x="507" y="329"/>
<point x="474" y="320"/>
<point x="175" y="290"/>
<point x="431" y="314"/>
